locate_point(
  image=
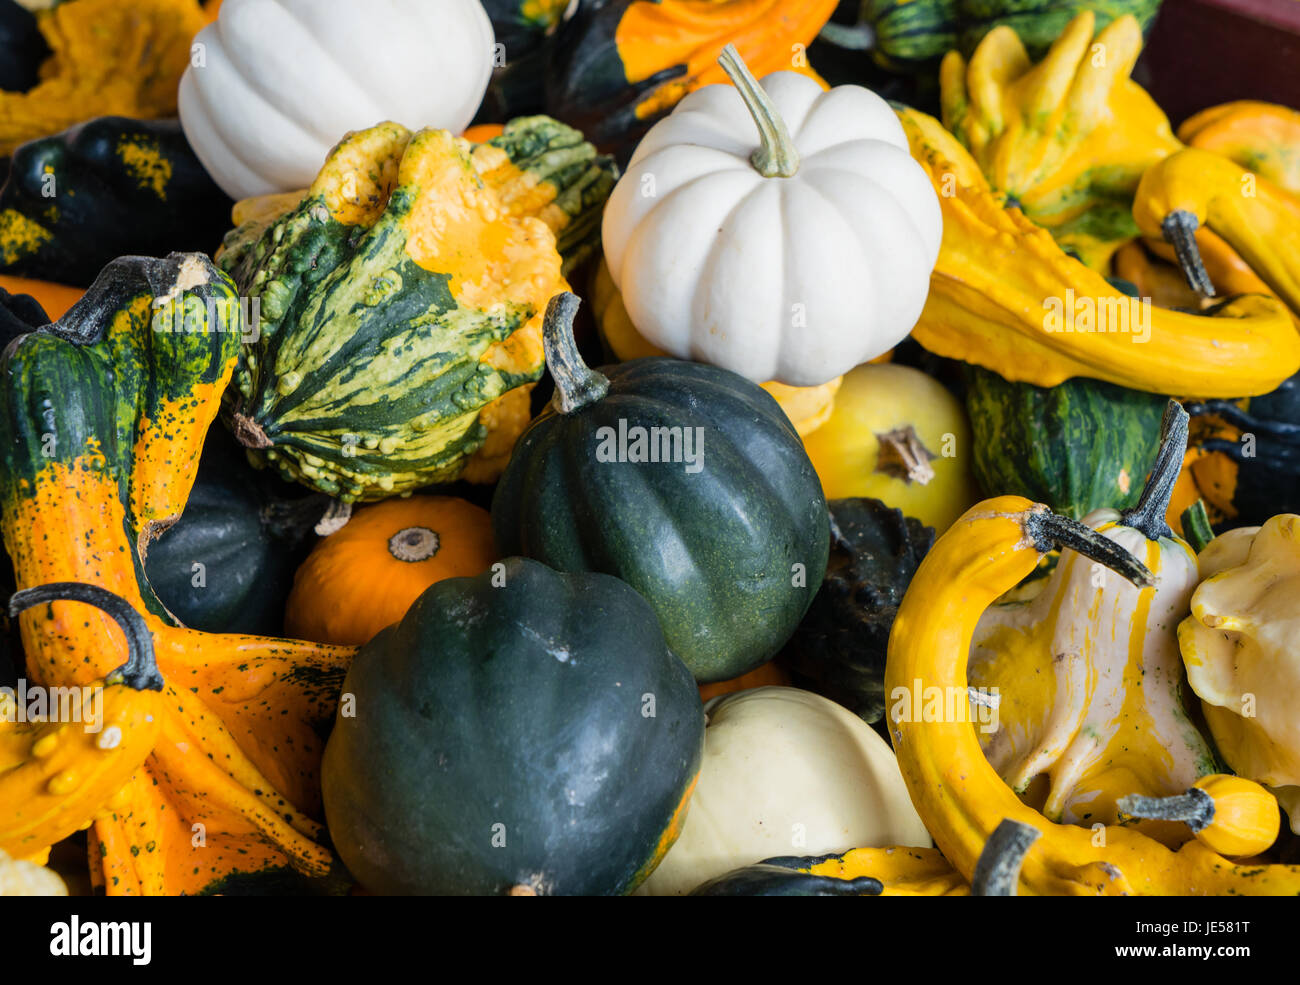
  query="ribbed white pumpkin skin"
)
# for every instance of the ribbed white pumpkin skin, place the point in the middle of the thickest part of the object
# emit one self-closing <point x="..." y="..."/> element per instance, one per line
<point x="785" y="772"/>
<point x="793" y="279"/>
<point x="284" y="80"/>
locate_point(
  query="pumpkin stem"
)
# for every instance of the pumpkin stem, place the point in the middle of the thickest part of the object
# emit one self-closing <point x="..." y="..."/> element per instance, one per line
<point x="997" y="872"/>
<point x="1149" y="514"/>
<point x="1179" y="228"/>
<point x="576" y="385"/>
<point x="776" y="156"/>
<point x="140" y="672"/>
<point x="903" y="456"/>
<point x="1194" y="808"/>
<point x="1050" y="530"/>
<point x="1196" y="526"/>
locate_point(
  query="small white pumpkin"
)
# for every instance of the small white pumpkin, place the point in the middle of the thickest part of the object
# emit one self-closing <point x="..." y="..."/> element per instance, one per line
<point x="794" y="262"/>
<point x="274" y="84"/>
<point x="785" y="772"/>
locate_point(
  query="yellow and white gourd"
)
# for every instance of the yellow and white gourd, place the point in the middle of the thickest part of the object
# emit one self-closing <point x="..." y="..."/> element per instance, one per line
<point x="1088" y="675"/>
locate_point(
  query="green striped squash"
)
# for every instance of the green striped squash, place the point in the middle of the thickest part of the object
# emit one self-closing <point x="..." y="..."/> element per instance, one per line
<point x="911" y="35"/>
<point x="1076" y="447"/>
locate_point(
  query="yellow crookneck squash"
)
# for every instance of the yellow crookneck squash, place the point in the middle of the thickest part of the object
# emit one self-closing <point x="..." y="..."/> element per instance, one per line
<point x="1263" y="137"/>
<point x="959" y="795"/>
<point x="1239" y="648"/>
<point x="808" y="407"/>
<point x="107" y="58"/>
<point x="1066" y="139"/>
<point x="1087" y="672"/>
<point x="1256" y="218"/>
<point x="101" y="428"/>
<point x="1005" y="296"/>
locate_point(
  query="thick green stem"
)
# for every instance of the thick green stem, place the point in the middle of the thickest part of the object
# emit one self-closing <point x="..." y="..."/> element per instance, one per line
<point x="1196" y="526"/>
<point x="1179" y="228"/>
<point x="140" y="671"/>
<point x="1194" y="808"/>
<point x="1051" y="530"/>
<point x="1149" y="514"/>
<point x="997" y="872"/>
<point x="776" y="156"/>
<point x="576" y="385"/>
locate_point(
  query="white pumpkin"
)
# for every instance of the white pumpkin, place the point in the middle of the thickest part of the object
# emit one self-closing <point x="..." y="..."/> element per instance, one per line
<point x="273" y="85"/>
<point x="794" y="262"/>
<point x="785" y="772"/>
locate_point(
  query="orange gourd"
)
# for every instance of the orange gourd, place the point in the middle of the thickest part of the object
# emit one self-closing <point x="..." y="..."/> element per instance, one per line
<point x="364" y="577"/>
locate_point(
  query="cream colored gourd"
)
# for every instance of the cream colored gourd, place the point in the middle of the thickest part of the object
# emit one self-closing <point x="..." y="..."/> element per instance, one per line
<point x="1239" y="646"/>
<point x="274" y="84"/>
<point x="791" y="257"/>
<point x="785" y="772"/>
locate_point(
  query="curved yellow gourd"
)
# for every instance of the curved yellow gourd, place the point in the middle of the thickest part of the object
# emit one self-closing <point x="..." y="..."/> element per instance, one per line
<point x="958" y="794"/>
<point x="1066" y="139"/>
<point x="1258" y="219"/>
<point x="1089" y="678"/>
<point x="1002" y="288"/>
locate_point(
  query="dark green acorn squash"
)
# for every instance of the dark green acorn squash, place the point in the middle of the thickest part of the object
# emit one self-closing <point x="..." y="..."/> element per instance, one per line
<point x="22" y="48"/>
<point x="725" y="531"/>
<point x="521" y="732"/>
<point x="781" y="877"/>
<point x="106" y="188"/>
<point x="1078" y="446"/>
<point x="1264" y="477"/>
<point x="839" y="649"/>
<point x="227" y="565"/>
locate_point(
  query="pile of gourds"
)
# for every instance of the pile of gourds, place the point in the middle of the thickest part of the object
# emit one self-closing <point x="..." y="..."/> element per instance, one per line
<point x="575" y="449"/>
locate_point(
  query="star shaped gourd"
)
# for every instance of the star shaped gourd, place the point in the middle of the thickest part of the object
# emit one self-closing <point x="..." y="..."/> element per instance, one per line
<point x="103" y="423"/>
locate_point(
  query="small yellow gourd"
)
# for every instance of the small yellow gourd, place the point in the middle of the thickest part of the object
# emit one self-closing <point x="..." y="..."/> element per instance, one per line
<point x="1231" y="815"/>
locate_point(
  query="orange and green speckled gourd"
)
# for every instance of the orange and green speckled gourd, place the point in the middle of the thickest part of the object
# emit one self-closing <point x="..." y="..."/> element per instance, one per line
<point x="400" y="303"/>
<point x="102" y="426"/>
